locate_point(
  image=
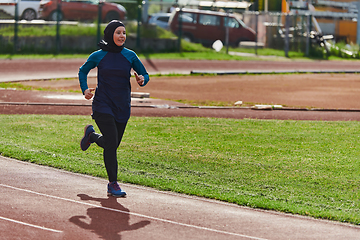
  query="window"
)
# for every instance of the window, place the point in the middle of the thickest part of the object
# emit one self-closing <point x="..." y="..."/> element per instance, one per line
<point x="188" y="17"/>
<point x="231" y="23"/>
<point x="209" y="20"/>
<point x="163" y="19"/>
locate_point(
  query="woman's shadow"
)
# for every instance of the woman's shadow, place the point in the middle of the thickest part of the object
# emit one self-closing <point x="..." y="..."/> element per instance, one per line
<point x="109" y="221"/>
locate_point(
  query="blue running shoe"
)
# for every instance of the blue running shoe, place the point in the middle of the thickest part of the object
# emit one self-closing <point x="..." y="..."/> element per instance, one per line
<point x="85" y="141"/>
<point x="115" y="190"/>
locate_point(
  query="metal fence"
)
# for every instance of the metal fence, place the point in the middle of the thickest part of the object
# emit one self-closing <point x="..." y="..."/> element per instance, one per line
<point x="282" y="31"/>
<point x="302" y="31"/>
<point x="274" y="30"/>
<point x="58" y="22"/>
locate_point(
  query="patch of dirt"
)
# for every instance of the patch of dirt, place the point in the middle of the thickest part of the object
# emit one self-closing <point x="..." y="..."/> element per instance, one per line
<point x="324" y="91"/>
<point x="329" y="91"/>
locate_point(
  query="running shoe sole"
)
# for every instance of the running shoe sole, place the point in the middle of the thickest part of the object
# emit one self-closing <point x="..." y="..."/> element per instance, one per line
<point x="85" y="146"/>
<point x="116" y="195"/>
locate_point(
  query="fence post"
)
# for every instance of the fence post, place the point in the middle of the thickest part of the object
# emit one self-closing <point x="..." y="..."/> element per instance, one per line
<point x="180" y="29"/>
<point x="302" y="33"/>
<point x="145" y="11"/>
<point x="227" y="31"/>
<point x="138" y="40"/>
<point x="256" y="30"/>
<point x="58" y="15"/>
<point x="307" y="35"/>
<point x="98" y="35"/>
<point x="279" y="24"/>
<point x="287" y="23"/>
<point x="16" y="26"/>
<point x="295" y="34"/>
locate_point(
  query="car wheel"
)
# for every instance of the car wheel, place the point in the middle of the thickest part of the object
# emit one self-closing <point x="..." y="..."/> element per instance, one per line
<point x="29" y="14"/>
<point x="54" y="14"/>
<point x="112" y="16"/>
<point x="188" y="37"/>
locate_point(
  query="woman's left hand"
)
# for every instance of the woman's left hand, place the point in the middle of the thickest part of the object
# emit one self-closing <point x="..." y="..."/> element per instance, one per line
<point x="139" y="79"/>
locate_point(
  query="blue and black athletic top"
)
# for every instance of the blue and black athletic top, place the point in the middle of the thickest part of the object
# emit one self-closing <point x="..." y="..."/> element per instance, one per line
<point x="113" y="91"/>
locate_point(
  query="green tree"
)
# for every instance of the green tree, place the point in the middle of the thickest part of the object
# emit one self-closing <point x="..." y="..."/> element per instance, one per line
<point x="273" y="5"/>
<point x="132" y="10"/>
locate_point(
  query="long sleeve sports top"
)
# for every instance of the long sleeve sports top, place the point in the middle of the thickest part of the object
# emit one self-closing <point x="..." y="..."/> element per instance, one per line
<point x="113" y="91"/>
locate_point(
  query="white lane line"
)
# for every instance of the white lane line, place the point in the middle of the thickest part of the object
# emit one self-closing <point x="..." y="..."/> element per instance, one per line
<point x="136" y="214"/>
<point x="30" y="225"/>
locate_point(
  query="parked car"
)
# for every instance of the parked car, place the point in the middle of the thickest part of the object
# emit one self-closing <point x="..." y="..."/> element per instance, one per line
<point x="81" y="10"/>
<point x="27" y="9"/>
<point x="160" y="19"/>
<point x="208" y="26"/>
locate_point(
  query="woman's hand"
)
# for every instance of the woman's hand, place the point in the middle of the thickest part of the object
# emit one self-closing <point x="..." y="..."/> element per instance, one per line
<point x="139" y="79"/>
<point x="88" y="93"/>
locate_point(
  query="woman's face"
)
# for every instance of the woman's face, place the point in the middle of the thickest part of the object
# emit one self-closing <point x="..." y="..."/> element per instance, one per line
<point x="120" y="36"/>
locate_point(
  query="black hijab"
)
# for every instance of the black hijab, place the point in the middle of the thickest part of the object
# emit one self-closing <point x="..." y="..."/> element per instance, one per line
<point x="107" y="44"/>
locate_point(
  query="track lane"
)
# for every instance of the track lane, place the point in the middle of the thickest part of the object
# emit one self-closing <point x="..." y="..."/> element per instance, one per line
<point x="78" y="206"/>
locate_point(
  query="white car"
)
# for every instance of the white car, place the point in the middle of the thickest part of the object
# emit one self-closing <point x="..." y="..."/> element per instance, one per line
<point x="27" y="9"/>
<point x="160" y="19"/>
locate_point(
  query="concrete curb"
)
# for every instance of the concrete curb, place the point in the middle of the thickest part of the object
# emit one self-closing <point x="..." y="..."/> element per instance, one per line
<point x="272" y="72"/>
<point x="167" y="106"/>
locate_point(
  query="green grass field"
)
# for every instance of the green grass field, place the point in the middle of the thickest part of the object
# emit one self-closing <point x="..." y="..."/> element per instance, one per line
<point x="304" y="167"/>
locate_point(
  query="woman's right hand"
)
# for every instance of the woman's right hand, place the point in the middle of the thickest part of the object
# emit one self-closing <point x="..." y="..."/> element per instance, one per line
<point x="88" y="93"/>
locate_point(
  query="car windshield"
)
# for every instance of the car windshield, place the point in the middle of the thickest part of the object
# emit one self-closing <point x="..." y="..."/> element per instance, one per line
<point x="163" y="19"/>
<point x="231" y="22"/>
<point x="240" y="21"/>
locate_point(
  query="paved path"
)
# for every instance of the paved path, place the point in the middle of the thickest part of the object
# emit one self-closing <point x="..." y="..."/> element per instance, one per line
<point x="39" y="202"/>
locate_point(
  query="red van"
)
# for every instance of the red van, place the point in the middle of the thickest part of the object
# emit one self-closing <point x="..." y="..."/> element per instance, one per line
<point x="208" y="26"/>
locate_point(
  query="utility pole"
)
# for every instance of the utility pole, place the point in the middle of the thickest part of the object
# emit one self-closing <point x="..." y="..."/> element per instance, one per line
<point x="266" y="8"/>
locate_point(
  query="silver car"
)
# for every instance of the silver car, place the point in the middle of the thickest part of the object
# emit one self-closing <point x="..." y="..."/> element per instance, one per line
<point x="27" y="9"/>
<point x="161" y="20"/>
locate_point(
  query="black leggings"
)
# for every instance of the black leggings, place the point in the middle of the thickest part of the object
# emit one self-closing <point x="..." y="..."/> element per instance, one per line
<point x="112" y="133"/>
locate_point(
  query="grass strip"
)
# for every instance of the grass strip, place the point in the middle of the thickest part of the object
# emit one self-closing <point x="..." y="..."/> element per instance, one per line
<point x="303" y="167"/>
